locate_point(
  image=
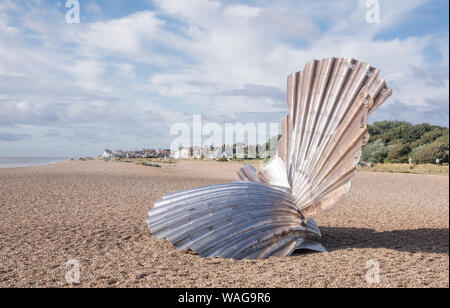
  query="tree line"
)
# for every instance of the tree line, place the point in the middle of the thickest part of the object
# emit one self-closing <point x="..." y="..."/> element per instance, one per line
<point x="399" y="142"/>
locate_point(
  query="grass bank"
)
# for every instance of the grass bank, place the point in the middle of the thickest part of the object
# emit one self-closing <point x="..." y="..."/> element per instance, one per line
<point x="406" y="168"/>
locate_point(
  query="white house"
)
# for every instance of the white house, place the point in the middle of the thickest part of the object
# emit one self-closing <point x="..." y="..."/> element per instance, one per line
<point x="183" y="153"/>
<point x="107" y="154"/>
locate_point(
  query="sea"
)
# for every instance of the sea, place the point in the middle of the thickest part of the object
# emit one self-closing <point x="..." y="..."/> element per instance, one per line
<point x="12" y="162"/>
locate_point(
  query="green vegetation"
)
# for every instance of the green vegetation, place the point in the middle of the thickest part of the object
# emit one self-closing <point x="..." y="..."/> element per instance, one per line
<point x="86" y="158"/>
<point x="151" y="165"/>
<point x="406" y="168"/>
<point x="399" y="153"/>
<point x="398" y="141"/>
<point x="375" y="152"/>
<point x="438" y="149"/>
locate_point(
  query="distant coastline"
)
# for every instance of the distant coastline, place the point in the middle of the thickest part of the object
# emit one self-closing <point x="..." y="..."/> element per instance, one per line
<point x="15" y="162"/>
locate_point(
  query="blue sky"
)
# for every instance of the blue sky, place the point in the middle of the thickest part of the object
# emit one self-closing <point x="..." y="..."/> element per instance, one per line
<point x="130" y="69"/>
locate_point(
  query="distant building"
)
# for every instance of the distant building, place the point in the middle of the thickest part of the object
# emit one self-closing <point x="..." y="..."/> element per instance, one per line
<point x="164" y="154"/>
<point x="185" y="153"/>
<point x="196" y="153"/>
<point x="182" y="153"/>
<point x="228" y="151"/>
<point x="107" y="154"/>
<point x="212" y="154"/>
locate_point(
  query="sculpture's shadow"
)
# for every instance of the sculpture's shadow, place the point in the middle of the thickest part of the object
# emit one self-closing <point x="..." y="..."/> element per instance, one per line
<point x="413" y="241"/>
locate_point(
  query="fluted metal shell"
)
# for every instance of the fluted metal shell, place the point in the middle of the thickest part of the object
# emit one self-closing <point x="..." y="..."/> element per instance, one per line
<point x="269" y="213"/>
<point x="329" y="103"/>
<point x="236" y="220"/>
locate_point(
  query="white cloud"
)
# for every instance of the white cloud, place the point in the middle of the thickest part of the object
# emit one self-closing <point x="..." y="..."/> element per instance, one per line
<point x="230" y="56"/>
<point x="87" y="74"/>
<point x="12" y="137"/>
<point x="223" y="59"/>
<point x="124" y="35"/>
<point x="93" y="7"/>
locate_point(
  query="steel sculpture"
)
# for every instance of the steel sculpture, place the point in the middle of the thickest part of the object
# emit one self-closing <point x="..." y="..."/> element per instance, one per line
<point x="270" y="212"/>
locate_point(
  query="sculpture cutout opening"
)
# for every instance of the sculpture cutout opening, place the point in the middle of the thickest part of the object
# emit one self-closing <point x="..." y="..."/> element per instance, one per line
<point x="270" y="212"/>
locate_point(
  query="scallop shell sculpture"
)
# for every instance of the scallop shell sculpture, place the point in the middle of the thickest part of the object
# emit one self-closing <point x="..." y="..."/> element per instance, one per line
<point x="270" y="212"/>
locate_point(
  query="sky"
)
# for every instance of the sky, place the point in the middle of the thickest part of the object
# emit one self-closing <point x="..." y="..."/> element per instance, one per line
<point x="129" y="70"/>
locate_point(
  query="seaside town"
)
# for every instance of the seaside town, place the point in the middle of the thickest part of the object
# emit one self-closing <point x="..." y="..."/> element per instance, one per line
<point x="205" y="153"/>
